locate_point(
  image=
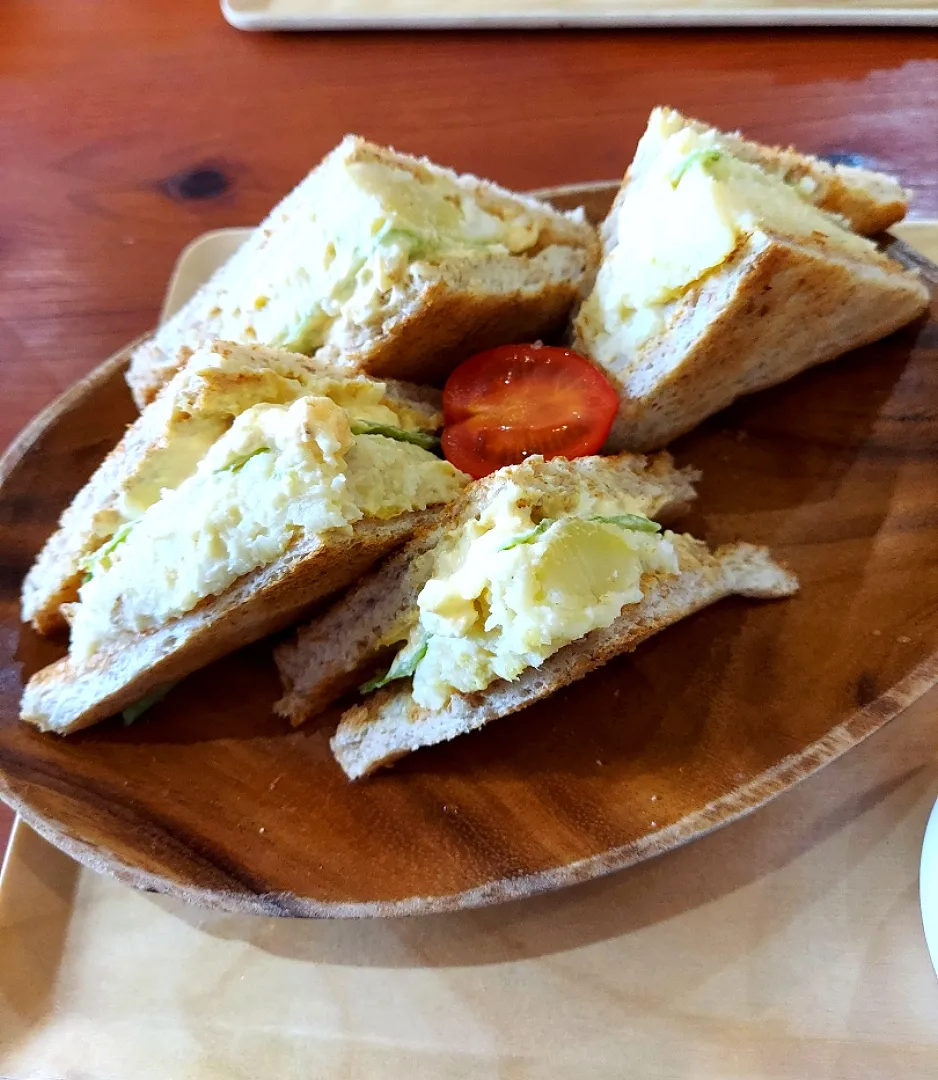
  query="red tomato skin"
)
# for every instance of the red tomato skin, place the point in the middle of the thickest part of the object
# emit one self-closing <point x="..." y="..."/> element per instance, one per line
<point x="505" y="404"/>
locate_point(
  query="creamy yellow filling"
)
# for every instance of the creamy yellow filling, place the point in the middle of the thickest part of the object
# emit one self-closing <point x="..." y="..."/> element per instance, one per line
<point x="220" y="381"/>
<point x="512" y="587"/>
<point x="682" y="219"/>
<point x="361" y="227"/>
<point x="280" y="473"/>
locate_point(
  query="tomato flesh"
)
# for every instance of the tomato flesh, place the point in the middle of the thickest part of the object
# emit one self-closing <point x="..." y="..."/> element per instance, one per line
<point x="505" y="404"/>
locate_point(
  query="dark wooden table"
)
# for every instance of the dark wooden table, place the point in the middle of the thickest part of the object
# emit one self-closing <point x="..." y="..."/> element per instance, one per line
<point x="128" y="129"/>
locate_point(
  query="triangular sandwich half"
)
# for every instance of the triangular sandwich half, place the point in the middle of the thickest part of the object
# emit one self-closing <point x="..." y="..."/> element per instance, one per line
<point x="167" y="441"/>
<point x="390" y="264"/>
<point x="535" y="577"/>
<point x="720" y="277"/>
<point x="288" y="500"/>
<point x="342" y="647"/>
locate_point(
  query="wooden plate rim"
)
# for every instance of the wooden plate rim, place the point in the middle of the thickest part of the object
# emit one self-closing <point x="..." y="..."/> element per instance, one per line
<point x="743" y="801"/>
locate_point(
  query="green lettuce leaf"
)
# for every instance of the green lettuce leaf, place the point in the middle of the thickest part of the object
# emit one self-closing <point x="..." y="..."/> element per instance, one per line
<point x="238" y="464"/>
<point x="418" y="438"/>
<point x="529" y="537"/>
<point x="399" y="669"/>
<point x="702" y="157"/>
<point x="135" y="711"/>
<point x="91" y="562"/>
<point x="638" y="522"/>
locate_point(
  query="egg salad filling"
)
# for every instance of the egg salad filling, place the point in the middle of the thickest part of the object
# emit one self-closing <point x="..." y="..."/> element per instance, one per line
<point x="343" y="255"/>
<point x="520" y="581"/>
<point x="681" y="219"/>
<point x="279" y="474"/>
<point x="220" y="381"/>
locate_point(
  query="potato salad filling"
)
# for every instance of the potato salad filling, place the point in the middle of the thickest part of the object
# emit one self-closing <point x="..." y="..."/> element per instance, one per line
<point x="342" y="257"/>
<point x="681" y="219"/>
<point x="220" y="381"/>
<point x="281" y="473"/>
<point x="517" y="583"/>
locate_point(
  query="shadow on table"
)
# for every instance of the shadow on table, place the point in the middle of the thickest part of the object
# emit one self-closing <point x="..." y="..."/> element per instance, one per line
<point x="651" y="893"/>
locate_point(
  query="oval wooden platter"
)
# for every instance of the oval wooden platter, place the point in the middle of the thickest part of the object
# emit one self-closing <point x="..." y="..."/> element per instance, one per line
<point x="215" y="800"/>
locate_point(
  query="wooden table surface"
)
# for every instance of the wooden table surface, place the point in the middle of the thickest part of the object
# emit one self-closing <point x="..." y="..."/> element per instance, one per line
<point x="128" y="129"/>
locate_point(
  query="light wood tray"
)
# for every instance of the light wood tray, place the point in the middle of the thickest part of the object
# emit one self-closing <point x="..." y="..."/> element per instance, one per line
<point x="785" y="947"/>
<point x="473" y="14"/>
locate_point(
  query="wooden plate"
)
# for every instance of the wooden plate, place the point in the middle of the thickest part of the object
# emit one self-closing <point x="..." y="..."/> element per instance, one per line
<point x="215" y="800"/>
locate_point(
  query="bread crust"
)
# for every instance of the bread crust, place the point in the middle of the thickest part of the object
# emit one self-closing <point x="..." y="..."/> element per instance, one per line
<point x="449" y="314"/>
<point x="338" y="649"/>
<point x="778" y="307"/>
<point x="502" y="297"/>
<point x="67" y="696"/>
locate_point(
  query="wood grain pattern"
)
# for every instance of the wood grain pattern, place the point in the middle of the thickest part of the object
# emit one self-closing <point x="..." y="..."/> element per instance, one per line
<point x="110" y="157"/>
<point x="213" y="800"/>
<point x="786" y="947"/>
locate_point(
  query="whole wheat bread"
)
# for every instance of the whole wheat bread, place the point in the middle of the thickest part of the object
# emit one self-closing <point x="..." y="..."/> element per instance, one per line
<point x="67" y="696"/>
<point x="447" y="309"/>
<point x="389" y="724"/>
<point x="779" y="304"/>
<point x="332" y="654"/>
<point x="163" y="446"/>
<point x="778" y="307"/>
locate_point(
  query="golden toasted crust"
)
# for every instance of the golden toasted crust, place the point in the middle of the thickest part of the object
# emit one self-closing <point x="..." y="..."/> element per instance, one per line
<point x="339" y="648"/>
<point x="447" y="319"/>
<point x="507" y="296"/>
<point x="67" y="696"/>
<point x="777" y="307"/>
<point x="389" y="724"/>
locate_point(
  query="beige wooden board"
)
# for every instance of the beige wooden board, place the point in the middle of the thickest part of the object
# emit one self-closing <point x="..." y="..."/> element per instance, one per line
<point x="391" y="14"/>
<point x="786" y="946"/>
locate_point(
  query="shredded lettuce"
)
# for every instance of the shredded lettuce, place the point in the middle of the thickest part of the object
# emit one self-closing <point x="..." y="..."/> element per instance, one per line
<point x="416" y="244"/>
<point x="133" y="712"/>
<point x="238" y="464"/>
<point x="418" y="438"/>
<point x="399" y="669"/>
<point x="529" y="537"/>
<point x="702" y="157"/>
<point x="638" y="522"/>
<point x="91" y="562"/>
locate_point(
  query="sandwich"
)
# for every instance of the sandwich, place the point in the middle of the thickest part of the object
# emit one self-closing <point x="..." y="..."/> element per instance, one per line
<point x="257" y="484"/>
<point x="336" y="651"/>
<point x="729" y="267"/>
<point x="387" y="264"/>
<point x="535" y="576"/>
<point x="165" y="444"/>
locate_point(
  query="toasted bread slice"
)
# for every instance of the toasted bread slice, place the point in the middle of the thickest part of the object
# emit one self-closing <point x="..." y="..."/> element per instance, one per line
<point x="870" y="201"/>
<point x="166" y="442"/>
<point x="719" y="280"/>
<point x="290" y="504"/>
<point x="331" y="655"/>
<point x="389" y="724"/>
<point x="388" y="264"/>
<point x="68" y="695"/>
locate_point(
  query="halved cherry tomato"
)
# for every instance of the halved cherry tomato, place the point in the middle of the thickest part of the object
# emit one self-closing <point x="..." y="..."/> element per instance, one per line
<point x="503" y="405"/>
